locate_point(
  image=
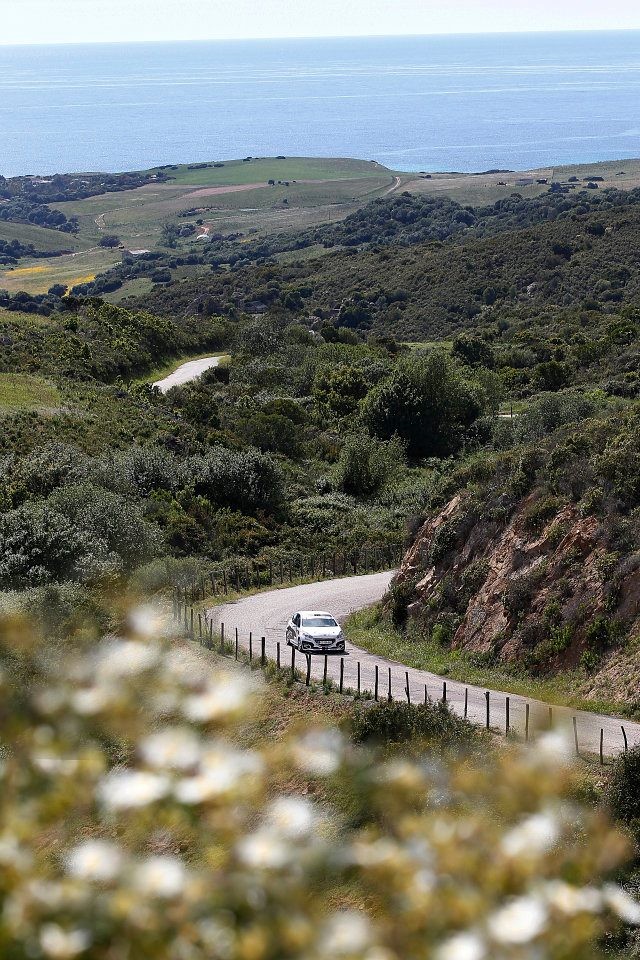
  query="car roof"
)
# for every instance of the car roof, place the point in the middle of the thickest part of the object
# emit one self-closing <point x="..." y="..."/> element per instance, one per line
<point x="316" y="613"/>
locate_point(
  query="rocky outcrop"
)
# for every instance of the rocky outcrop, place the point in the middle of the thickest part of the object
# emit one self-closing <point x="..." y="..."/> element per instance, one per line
<point x="541" y="587"/>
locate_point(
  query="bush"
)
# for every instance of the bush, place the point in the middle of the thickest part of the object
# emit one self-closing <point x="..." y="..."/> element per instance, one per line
<point x="427" y="403"/>
<point x="395" y="722"/>
<point x="248" y="481"/>
<point x="365" y="465"/>
<point x="623" y="792"/>
<point x="271" y="433"/>
<point x="38" y="545"/>
<point x="115" y="533"/>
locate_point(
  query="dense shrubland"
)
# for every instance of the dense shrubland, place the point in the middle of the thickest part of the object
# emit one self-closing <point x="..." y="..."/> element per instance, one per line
<point x="275" y="452"/>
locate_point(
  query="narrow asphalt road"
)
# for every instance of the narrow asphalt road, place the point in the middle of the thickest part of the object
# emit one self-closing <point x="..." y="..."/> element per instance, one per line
<point x="186" y="372"/>
<point x="266" y="615"/>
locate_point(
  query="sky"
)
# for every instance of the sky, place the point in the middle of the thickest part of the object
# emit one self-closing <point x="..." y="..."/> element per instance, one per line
<point x="84" y="21"/>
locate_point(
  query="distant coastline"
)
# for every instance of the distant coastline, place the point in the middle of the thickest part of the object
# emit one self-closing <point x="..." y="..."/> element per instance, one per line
<point x="465" y="102"/>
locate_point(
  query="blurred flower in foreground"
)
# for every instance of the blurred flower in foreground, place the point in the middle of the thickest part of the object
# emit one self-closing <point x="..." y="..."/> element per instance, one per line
<point x="138" y="822"/>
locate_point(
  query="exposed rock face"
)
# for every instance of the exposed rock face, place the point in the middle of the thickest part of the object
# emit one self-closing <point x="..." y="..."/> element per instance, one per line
<point x="532" y="588"/>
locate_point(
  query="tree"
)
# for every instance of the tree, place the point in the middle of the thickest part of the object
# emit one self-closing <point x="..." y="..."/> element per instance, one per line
<point x="473" y="351"/>
<point x="109" y="240"/>
<point x="340" y="389"/>
<point x="427" y="402"/>
<point x="366" y="464"/>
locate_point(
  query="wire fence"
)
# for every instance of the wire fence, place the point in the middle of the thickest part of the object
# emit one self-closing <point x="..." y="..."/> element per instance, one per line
<point x="377" y="682"/>
<point x="239" y="576"/>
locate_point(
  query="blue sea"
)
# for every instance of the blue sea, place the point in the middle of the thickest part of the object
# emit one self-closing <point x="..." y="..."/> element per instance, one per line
<point x="464" y="103"/>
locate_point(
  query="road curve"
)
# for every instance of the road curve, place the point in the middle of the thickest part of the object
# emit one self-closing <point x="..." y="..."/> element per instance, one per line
<point x="266" y="615"/>
<point x="186" y="372"/>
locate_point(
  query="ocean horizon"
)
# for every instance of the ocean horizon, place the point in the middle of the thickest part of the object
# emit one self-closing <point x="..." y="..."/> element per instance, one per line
<point x="463" y="102"/>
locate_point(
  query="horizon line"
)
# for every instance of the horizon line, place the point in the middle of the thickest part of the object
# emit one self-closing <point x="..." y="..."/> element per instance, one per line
<point x="355" y="36"/>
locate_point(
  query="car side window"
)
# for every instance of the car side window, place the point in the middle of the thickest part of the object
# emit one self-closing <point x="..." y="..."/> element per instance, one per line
<point x="296" y="619"/>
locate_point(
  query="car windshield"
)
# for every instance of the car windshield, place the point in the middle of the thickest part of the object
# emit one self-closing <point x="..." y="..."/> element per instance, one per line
<point x="319" y="622"/>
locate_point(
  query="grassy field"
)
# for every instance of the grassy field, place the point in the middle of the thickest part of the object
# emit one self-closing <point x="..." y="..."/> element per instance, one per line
<point x="40" y="237"/>
<point x="234" y="198"/>
<point x="487" y="188"/>
<point x="23" y="392"/>
<point x="37" y="276"/>
<point x="267" y="168"/>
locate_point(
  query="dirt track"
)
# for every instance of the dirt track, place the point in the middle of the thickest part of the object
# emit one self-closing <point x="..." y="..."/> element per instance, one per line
<point x="186" y="372"/>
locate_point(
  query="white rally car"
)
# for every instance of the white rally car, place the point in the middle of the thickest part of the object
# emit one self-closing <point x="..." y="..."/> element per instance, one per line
<point x="311" y="631"/>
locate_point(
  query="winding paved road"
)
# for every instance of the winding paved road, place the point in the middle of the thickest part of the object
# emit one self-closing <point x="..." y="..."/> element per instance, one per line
<point x="186" y="372"/>
<point x="266" y="615"/>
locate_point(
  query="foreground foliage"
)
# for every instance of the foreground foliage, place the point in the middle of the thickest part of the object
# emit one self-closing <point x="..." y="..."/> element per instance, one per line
<point x="138" y="820"/>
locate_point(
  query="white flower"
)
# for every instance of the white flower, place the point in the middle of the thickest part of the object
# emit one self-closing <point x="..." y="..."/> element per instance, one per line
<point x="519" y="922"/>
<point x="91" y="700"/>
<point x="622" y="904"/>
<point x="464" y="946"/>
<point x="148" y="621"/>
<point x="292" y="817"/>
<point x="126" y="658"/>
<point x="374" y="853"/>
<point x="227" y="695"/>
<point x="263" y="851"/>
<point x="554" y="747"/>
<point x="160" y="877"/>
<point x="221" y="769"/>
<point x="95" y="860"/>
<point x="175" y="748"/>
<point x="132" y="788"/>
<point x="53" y="763"/>
<point x="536" y="835"/>
<point x="346" y="933"/>
<point x="59" y="943"/>
<point x="319" y="752"/>
<point x="572" y="900"/>
<point x="11" y="852"/>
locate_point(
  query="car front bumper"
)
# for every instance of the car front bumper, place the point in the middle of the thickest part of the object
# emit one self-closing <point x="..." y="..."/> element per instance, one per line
<point x="317" y="646"/>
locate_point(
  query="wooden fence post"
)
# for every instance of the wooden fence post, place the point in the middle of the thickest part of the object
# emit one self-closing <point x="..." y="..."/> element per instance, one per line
<point x="426" y="694"/>
<point x="390" y="697"/>
<point x="263" y="658"/>
<point x="200" y="627"/>
<point x="601" y="747"/>
<point x="211" y="635"/>
<point x="487" y="695"/>
<point x="408" y="691"/>
<point x="308" y="680"/>
<point x="376" y="685"/>
<point x="527" y="711"/>
<point x="626" y="742"/>
<point x="293" y="663"/>
<point x="575" y="735"/>
<point x="466" y="702"/>
<point x="191" y="628"/>
<point x="444" y="691"/>
<point x="550" y="717"/>
<point x="250" y="647"/>
<point x="341" y="674"/>
<point x="324" y="676"/>
<point x="358" y="678"/>
<point x="221" y="637"/>
<point x="507" y="720"/>
<point x="278" y="654"/>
